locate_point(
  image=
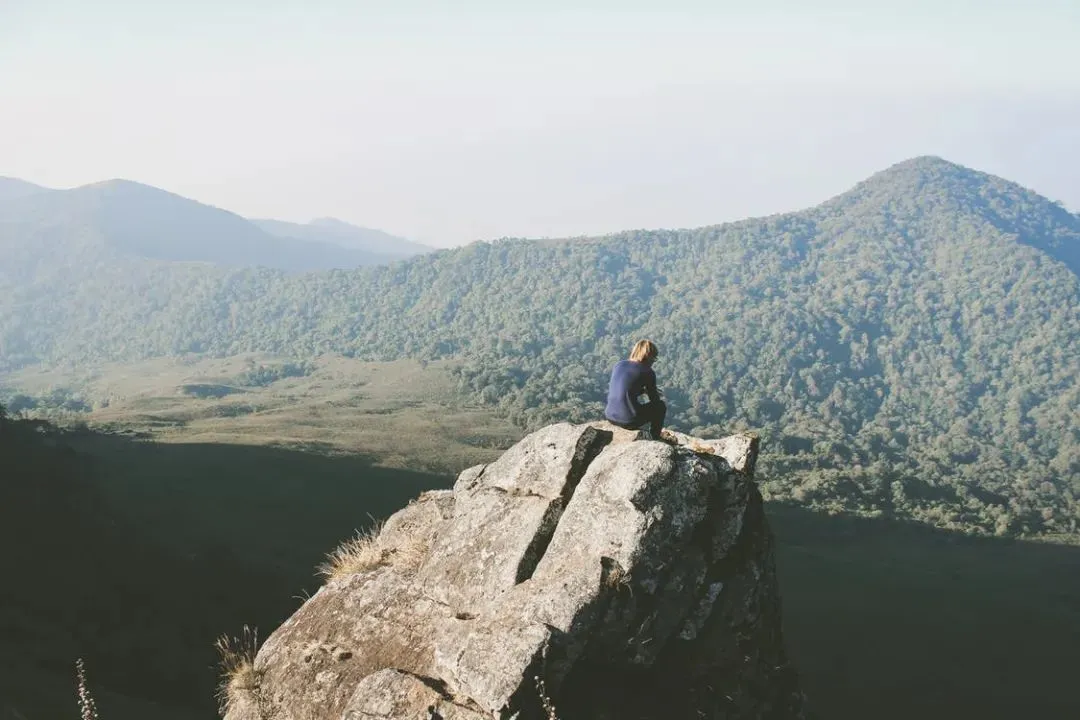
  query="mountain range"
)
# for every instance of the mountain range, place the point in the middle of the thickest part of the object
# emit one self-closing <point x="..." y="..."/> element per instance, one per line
<point x="909" y="348"/>
<point x="330" y="230"/>
<point x="117" y="219"/>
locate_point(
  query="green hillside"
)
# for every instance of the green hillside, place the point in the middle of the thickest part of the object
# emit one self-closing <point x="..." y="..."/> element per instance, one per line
<point x="909" y="349"/>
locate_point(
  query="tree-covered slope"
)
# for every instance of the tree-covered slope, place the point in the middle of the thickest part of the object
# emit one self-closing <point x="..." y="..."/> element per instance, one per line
<point x="911" y="347"/>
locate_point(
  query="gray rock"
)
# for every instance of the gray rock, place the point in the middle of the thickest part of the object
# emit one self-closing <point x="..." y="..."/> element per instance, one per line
<point x="505" y="515"/>
<point x="740" y="451"/>
<point x="627" y="577"/>
<point x="486" y="660"/>
<point x="621" y="434"/>
<point x="390" y="694"/>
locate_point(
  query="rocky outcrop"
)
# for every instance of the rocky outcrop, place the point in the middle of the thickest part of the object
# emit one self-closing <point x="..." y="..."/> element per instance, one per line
<point x="589" y="568"/>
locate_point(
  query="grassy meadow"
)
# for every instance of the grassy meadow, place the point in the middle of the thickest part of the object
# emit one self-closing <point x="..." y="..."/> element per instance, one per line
<point x="237" y="492"/>
<point x="403" y="414"/>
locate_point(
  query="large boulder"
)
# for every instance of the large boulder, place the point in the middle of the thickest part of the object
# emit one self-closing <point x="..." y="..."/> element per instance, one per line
<point x="590" y="572"/>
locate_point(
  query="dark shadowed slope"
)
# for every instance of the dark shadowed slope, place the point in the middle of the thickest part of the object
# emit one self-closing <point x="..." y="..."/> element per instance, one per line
<point x="891" y="620"/>
<point x="136" y="557"/>
<point x="329" y="230"/>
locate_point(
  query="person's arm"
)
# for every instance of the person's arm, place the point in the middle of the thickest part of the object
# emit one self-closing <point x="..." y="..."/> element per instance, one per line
<point x="650" y="387"/>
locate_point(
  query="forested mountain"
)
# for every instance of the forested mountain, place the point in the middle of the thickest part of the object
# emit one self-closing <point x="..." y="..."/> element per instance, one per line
<point x="909" y="348"/>
<point x="330" y="230"/>
<point x="44" y="230"/>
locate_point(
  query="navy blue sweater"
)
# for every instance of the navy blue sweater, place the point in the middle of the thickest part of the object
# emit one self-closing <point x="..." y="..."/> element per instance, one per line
<point x="629" y="380"/>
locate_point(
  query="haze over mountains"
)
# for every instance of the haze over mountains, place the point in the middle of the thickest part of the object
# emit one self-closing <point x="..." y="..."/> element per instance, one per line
<point x="331" y="230"/>
<point x="120" y="219"/>
<point x="908" y="348"/>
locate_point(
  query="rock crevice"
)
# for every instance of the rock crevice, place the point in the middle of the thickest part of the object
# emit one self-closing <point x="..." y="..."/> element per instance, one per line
<point x="628" y="577"/>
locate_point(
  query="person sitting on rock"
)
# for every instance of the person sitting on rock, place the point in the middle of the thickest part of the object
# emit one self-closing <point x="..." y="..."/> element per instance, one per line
<point x="629" y="379"/>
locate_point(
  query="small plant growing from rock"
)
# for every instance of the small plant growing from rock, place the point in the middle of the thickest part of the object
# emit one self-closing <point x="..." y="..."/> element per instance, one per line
<point x="617" y="578"/>
<point x="545" y="701"/>
<point x="237" y="663"/>
<point x="87" y="707"/>
<point x="613" y="575"/>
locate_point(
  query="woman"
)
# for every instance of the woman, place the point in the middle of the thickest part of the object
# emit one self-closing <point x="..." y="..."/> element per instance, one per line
<point x="629" y="379"/>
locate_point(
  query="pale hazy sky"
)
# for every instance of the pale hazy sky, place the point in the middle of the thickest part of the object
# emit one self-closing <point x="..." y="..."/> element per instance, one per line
<point x="451" y="122"/>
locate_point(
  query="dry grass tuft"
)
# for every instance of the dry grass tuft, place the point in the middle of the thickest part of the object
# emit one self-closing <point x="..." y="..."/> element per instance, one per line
<point x="238" y="673"/>
<point x="356" y="555"/>
<point x="410" y="554"/>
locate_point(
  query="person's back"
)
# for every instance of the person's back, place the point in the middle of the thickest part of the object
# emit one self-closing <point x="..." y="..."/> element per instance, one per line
<point x="629" y="380"/>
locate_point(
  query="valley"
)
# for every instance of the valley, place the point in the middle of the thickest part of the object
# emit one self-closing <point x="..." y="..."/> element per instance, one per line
<point x="331" y="405"/>
<point x="884" y="618"/>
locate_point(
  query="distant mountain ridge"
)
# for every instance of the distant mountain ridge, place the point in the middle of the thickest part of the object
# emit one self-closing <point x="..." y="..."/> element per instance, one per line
<point x="13" y="189"/>
<point x="332" y="230"/>
<point x="118" y="219"/>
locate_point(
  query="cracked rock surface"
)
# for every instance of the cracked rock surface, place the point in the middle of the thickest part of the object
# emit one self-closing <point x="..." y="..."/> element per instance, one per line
<point x="628" y="577"/>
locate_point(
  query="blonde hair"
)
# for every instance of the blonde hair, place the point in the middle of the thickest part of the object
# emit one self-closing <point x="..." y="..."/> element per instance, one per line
<point x="645" y="351"/>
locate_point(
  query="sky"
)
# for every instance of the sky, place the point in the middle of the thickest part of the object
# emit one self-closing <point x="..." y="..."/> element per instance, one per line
<point x="454" y="122"/>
